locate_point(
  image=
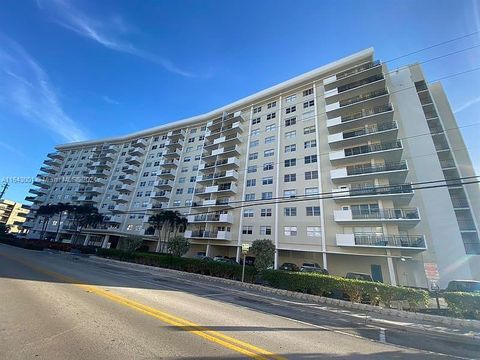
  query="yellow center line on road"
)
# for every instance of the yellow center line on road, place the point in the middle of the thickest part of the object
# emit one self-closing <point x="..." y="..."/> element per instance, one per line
<point x="216" y="337"/>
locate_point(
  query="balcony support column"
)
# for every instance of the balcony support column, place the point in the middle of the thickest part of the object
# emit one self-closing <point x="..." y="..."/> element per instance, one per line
<point x="105" y="241"/>
<point x="391" y="269"/>
<point x="207" y="250"/>
<point x="237" y="257"/>
<point x="87" y="239"/>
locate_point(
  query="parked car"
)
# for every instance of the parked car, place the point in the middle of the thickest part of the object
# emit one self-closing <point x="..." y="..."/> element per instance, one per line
<point x="249" y="260"/>
<point x="358" y="276"/>
<point x="225" y="259"/>
<point x="203" y="257"/>
<point x="463" y="285"/>
<point x="289" y="267"/>
<point x="313" y="267"/>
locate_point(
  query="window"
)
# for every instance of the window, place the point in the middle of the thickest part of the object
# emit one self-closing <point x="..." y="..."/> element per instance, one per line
<point x="310" y="175"/>
<point x="190" y="190"/>
<point x="267" y="195"/>
<point x="249" y="197"/>
<point x="268" y="153"/>
<point x="201" y="137"/>
<point x="290" y="148"/>
<point x="265" y="230"/>
<point x="187" y="159"/>
<point x="309" y="130"/>
<point x="290" y="109"/>
<point x="189" y="149"/>
<point x="310" y="159"/>
<point x="290" y="162"/>
<point x="268" y="166"/>
<point x="290" y="134"/>
<point x="254" y="143"/>
<point x="271" y="116"/>
<point x="270" y="127"/>
<point x="255" y="132"/>
<point x="193" y="179"/>
<point x="271" y="105"/>
<point x="256" y="121"/>
<point x="176" y="203"/>
<point x="181" y="180"/>
<point x="290" y="98"/>
<point x="290" y="230"/>
<point x="310" y="144"/>
<point x="251" y="182"/>
<point x="311" y="191"/>
<point x="290" y="177"/>
<point x="290" y="121"/>
<point x="252" y="169"/>
<point x="257" y="109"/>
<point x="179" y="191"/>
<point x="248" y="213"/>
<point x="184" y="169"/>
<point x="313" y="210"/>
<point x="289" y="193"/>
<point x="266" y="212"/>
<point x="269" y="139"/>
<point x="247" y="230"/>
<point x="191" y="140"/>
<point x="308" y="92"/>
<point x="290" y="211"/>
<point x="268" y="180"/>
<point x="253" y="156"/>
<point x="193" y="131"/>
<point x="308" y="104"/>
<point x="314" y="231"/>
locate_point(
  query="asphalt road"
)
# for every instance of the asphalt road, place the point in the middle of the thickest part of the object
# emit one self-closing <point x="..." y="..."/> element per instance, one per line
<point x="54" y="306"/>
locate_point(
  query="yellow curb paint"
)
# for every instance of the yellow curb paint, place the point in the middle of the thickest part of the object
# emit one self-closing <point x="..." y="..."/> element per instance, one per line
<point x="216" y="337"/>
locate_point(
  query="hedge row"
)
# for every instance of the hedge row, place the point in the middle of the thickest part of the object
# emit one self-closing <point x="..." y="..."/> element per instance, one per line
<point x="338" y="287"/>
<point x="463" y="304"/>
<point x="45" y="244"/>
<point x="211" y="268"/>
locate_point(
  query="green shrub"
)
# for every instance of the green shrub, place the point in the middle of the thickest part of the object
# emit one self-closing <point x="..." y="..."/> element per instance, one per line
<point x="210" y="268"/>
<point x="464" y="304"/>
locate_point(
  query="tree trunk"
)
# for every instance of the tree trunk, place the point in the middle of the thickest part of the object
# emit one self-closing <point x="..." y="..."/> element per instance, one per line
<point x="58" y="226"/>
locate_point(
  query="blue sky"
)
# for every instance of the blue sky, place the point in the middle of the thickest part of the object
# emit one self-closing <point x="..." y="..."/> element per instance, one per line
<point x="73" y="70"/>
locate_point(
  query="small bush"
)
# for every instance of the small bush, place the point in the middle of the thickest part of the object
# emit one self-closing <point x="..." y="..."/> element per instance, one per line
<point x="463" y="304"/>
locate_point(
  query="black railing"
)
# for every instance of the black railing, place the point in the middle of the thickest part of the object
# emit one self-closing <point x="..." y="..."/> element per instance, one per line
<point x="365" y="149"/>
<point x="411" y="241"/>
<point x="358" y="98"/>
<point x="366" y="112"/>
<point x="367" y="169"/>
<point x="358" y="83"/>
<point x="358" y="69"/>
<point x="370" y="130"/>
<point x="389" y="214"/>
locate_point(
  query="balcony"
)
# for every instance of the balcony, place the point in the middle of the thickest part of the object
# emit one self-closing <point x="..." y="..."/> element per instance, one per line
<point x="167" y="174"/>
<point x="121" y="198"/>
<point x="30" y="198"/>
<point x="114" y="219"/>
<point x="387" y="130"/>
<point x="225" y="164"/>
<point x="352" y="74"/>
<point x="53" y="162"/>
<point x="121" y="208"/>
<point x="403" y="216"/>
<point x="224" y="175"/>
<point x="402" y="193"/>
<point x="161" y="195"/>
<point x="234" y="128"/>
<point x="374" y="98"/>
<point x="133" y="160"/>
<point x="139" y="143"/>
<point x="396" y="171"/>
<point x="38" y="192"/>
<point x="97" y="181"/>
<point x="211" y="235"/>
<point x="214" y="218"/>
<point x="215" y="203"/>
<point x="362" y="117"/>
<point x="41" y="183"/>
<point x="136" y="151"/>
<point x="56" y="155"/>
<point x="125" y="188"/>
<point x="130" y="169"/>
<point x="49" y="169"/>
<point x="391" y="152"/>
<point x="126" y="179"/>
<point x="169" y="163"/>
<point x="227" y="140"/>
<point x="223" y="188"/>
<point x="93" y="190"/>
<point x="230" y="150"/>
<point x="172" y="153"/>
<point x="355" y="88"/>
<point x="40" y="199"/>
<point x="170" y="143"/>
<point x="163" y="184"/>
<point x="226" y="119"/>
<point x="98" y="173"/>
<point x="101" y="164"/>
<point x="406" y="242"/>
<point x="154" y="207"/>
<point x="176" y="134"/>
<point x="88" y="198"/>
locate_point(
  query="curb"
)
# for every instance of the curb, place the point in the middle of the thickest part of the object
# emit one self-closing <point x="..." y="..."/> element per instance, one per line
<point x="435" y="319"/>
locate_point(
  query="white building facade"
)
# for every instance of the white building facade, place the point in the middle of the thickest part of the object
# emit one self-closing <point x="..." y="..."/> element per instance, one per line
<point x="339" y="166"/>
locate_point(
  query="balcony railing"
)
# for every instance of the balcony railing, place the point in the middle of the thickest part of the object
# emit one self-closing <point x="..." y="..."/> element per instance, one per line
<point x="409" y="241"/>
<point x="363" y="97"/>
<point x="460" y="203"/>
<point x="389" y="214"/>
<point x="366" y="112"/>
<point x="390" y="189"/>
<point x="359" y="83"/>
<point x="371" y="129"/>
<point x="365" y="149"/>
<point x="367" y="169"/>
<point x="357" y="69"/>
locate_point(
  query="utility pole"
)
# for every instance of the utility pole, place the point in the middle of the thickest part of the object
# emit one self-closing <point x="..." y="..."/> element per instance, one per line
<point x="5" y="186"/>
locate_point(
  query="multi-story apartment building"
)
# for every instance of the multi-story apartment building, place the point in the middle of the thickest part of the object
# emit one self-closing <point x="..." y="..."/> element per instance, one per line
<point x="13" y="215"/>
<point x="336" y="166"/>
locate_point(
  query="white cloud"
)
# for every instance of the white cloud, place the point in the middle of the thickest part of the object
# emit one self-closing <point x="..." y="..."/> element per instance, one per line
<point x="106" y="32"/>
<point x="25" y="88"/>
<point x="11" y="149"/>
<point x="110" y="100"/>
<point x="467" y="104"/>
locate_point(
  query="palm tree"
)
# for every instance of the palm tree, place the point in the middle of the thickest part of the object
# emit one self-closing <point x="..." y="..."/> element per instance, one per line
<point x="85" y="216"/>
<point x="166" y="222"/>
<point x="47" y="211"/>
<point x="60" y="209"/>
